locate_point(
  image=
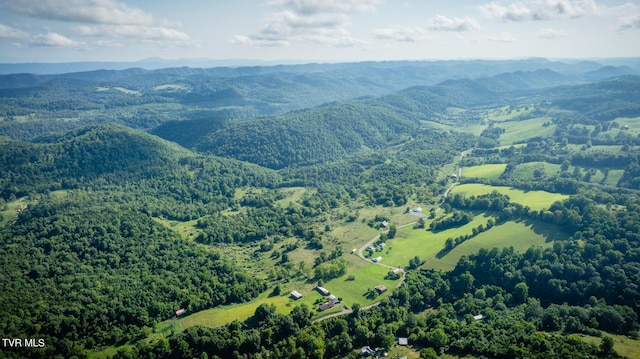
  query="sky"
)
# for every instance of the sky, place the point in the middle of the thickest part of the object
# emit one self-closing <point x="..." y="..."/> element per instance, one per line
<point x="316" y="30"/>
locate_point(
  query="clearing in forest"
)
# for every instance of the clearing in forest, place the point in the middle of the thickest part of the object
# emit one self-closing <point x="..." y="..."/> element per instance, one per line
<point x="536" y="200"/>
<point x="520" y="235"/>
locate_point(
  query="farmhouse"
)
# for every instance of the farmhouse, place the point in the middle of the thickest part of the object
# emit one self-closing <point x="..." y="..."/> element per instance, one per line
<point x="295" y="295"/>
<point x="381" y="288"/>
<point x="322" y="290"/>
<point x="327" y="305"/>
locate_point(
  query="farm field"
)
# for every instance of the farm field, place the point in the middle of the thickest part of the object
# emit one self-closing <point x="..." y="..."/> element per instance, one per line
<point x="530" y="169"/>
<point x="488" y="171"/>
<point x="520" y="235"/>
<point x="523" y="130"/>
<point x="412" y="242"/>
<point x="623" y="345"/>
<point x="536" y="200"/>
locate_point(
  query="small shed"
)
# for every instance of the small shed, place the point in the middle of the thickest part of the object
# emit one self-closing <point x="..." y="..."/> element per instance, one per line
<point x="384" y="223"/>
<point x="376" y="259"/>
<point x="403" y="341"/>
<point x="296" y="295"/>
<point x="180" y="312"/>
<point x="381" y="288"/>
<point x="322" y="290"/>
<point x="478" y="317"/>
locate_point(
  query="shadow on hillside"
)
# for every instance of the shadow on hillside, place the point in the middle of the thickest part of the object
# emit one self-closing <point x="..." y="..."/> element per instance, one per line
<point x="551" y="232"/>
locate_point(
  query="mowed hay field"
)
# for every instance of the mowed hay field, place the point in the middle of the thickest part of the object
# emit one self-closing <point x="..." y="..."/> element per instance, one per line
<point x="517" y="131"/>
<point x="410" y="242"/>
<point x="488" y="171"/>
<point x="519" y="235"/>
<point x="536" y="200"/>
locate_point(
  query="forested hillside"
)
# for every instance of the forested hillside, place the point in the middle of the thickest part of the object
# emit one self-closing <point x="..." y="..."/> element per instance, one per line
<point x="480" y="208"/>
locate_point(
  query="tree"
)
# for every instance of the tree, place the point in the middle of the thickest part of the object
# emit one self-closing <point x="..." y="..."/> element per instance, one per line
<point x="392" y="231"/>
<point x="606" y="346"/>
<point x="520" y="293"/>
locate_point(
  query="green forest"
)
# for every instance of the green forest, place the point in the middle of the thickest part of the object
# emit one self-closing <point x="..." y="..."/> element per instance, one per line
<point x="302" y="212"/>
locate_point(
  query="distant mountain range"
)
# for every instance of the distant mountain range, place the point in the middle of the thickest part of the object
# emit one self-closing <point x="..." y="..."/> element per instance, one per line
<point x="531" y="64"/>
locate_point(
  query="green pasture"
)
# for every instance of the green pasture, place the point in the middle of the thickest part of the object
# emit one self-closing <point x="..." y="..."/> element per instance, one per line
<point x="412" y="242"/>
<point x="518" y="131"/>
<point x="367" y="277"/>
<point x="536" y="200"/>
<point x="520" y="235"/>
<point x="529" y="170"/>
<point x="488" y="171"/>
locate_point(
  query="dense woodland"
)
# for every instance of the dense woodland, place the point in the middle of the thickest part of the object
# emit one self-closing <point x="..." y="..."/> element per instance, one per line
<point x="98" y="167"/>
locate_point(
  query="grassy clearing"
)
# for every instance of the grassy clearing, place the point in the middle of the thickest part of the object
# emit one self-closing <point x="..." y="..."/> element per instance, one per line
<point x="625" y="346"/>
<point x="222" y="315"/>
<point x="536" y="200"/>
<point x="507" y="113"/>
<point x="293" y="194"/>
<point x="489" y="171"/>
<point x="170" y="87"/>
<point x="518" y="131"/>
<point x="12" y="209"/>
<point x="412" y="242"/>
<point x="367" y="277"/>
<point x="614" y="177"/>
<point x="520" y="235"/>
<point x="536" y="170"/>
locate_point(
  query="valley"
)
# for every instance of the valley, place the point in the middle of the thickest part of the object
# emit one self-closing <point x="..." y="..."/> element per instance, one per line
<point x="421" y="203"/>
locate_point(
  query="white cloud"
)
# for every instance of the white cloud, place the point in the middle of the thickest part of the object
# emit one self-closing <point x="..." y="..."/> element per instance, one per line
<point x="9" y="33"/>
<point x="551" y="34"/>
<point x="540" y="10"/>
<point x="318" y="21"/>
<point x="163" y="35"/>
<point x="503" y="37"/>
<point x="82" y="11"/>
<point x="314" y="7"/>
<point x="443" y="23"/>
<point x="630" y="22"/>
<point x="53" y="39"/>
<point x="401" y="34"/>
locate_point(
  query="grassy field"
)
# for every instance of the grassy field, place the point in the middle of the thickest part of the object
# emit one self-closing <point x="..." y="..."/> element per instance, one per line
<point x="418" y="242"/>
<point x="519" y="235"/>
<point x="536" y="200"/>
<point x="367" y="277"/>
<point x="528" y="170"/>
<point x="627" y="347"/>
<point x="489" y="171"/>
<point x="507" y="113"/>
<point x="516" y="131"/>
<point x="222" y="315"/>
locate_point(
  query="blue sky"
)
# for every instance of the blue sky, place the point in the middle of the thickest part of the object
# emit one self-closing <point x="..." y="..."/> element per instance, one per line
<point x="316" y="30"/>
